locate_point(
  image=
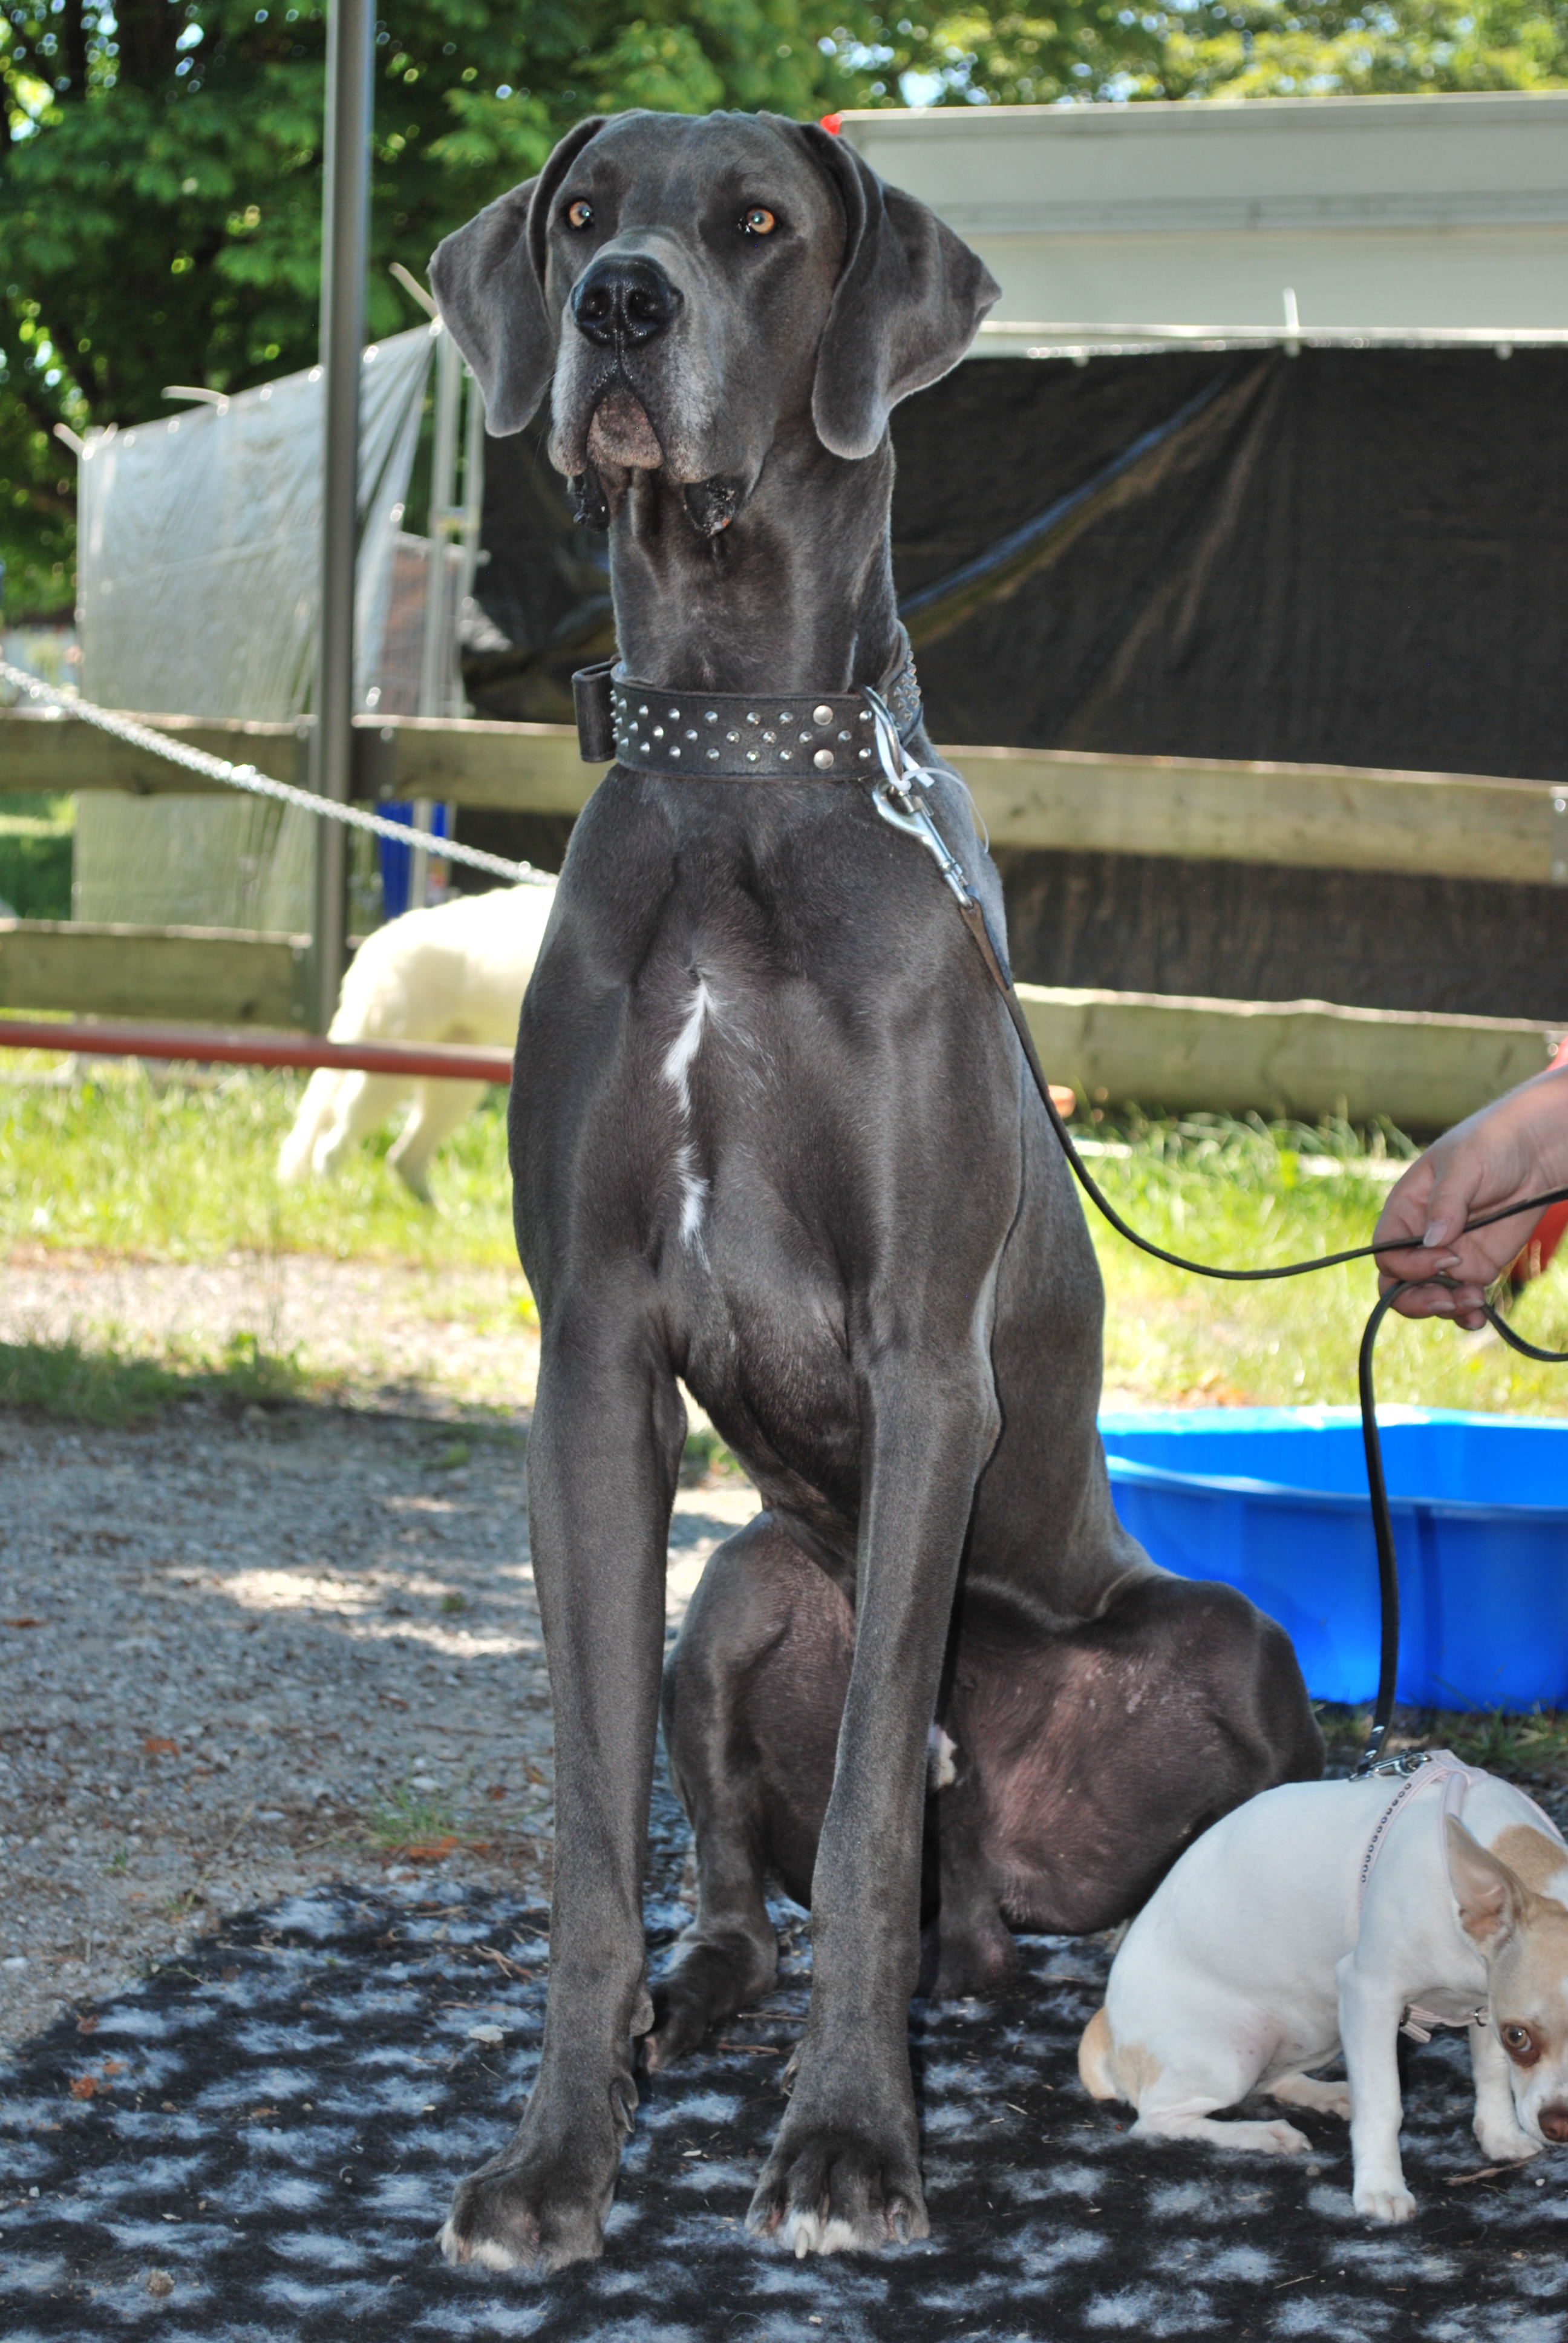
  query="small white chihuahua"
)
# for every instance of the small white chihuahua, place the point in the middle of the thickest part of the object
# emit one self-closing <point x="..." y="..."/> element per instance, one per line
<point x="1317" y="1920"/>
<point x="456" y="972"/>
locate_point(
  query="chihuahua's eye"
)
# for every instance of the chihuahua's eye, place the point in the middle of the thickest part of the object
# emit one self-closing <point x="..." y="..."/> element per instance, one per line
<point x="580" y="215"/>
<point x="757" y="221"/>
<point x="1516" y="2037"/>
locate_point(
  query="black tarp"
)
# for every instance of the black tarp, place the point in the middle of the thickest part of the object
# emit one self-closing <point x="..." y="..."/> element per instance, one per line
<point x="1355" y="557"/>
<point x="1350" y="557"/>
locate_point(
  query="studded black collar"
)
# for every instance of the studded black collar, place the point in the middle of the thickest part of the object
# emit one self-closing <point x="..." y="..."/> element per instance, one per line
<point x="726" y="736"/>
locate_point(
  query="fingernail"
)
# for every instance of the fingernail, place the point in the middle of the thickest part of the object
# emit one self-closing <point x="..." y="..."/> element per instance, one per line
<point x="1448" y="1260"/>
<point x="1437" y="1232"/>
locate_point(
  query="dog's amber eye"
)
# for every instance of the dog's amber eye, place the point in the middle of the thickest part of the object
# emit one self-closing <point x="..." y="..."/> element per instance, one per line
<point x="1520" y="2043"/>
<point x="580" y="215"/>
<point x="757" y="221"/>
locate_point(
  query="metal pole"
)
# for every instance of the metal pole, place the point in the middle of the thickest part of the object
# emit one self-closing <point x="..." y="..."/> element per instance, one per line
<point x="473" y="510"/>
<point x="434" y="677"/>
<point x="435" y="656"/>
<point x="344" y="239"/>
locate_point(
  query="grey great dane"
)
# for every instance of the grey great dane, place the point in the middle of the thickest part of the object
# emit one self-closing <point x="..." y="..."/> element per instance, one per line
<point x="777" y="1139"/>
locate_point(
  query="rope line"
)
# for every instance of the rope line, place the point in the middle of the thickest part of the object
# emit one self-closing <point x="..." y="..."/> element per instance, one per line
<point x="262" y="785"/>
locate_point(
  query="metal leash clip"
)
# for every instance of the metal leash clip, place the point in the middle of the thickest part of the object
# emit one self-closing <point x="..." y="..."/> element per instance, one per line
<point x="894" y="798"/>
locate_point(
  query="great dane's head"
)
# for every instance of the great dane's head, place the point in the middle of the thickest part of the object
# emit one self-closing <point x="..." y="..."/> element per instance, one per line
<point x="687" y="287"/>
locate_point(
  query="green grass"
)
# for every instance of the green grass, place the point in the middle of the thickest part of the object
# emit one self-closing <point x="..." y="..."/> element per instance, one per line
<point x="111" y="1385"/>
<point x="36" y="857"/>
<point x="422" y="1823"/>
<point x="1533" y="1743"/>
<point x="182" y="1171"/>
<point x="705" y="1457"/>
<point x="1236" y="1193"/>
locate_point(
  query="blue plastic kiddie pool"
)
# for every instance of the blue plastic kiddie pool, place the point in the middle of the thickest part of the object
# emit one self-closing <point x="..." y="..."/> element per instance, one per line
<point x="1273" y="1500"/>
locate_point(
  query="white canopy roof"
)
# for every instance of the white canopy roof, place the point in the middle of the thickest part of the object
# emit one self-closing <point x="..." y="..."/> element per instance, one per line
<point x="1402" y="219"/>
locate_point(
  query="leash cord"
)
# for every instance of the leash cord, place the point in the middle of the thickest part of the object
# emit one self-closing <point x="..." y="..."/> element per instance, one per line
<point x="895" y="800"/>
<point x="1372" y="1440"/>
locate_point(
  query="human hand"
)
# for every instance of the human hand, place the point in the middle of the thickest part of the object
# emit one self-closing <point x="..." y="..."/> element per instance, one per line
<point x="1516" y="1147"/>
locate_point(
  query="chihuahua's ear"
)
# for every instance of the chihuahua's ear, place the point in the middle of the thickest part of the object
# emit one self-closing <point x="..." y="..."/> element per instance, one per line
<point x="909" y="298"/>
<point x="1492" y="1899"/>
<point x="489" y="280"/>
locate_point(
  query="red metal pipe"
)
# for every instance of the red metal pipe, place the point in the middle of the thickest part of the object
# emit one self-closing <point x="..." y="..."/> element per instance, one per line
<point x="202" y="1045"/>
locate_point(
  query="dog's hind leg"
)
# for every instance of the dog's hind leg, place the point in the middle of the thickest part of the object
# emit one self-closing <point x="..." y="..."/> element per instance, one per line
<point x="1176" y="2094"/>
<point x="1257" y="2139"/>
<point x="439" y="1108"/>
<point x="753" y="1692"/>
<point x="1306" y="2091"/>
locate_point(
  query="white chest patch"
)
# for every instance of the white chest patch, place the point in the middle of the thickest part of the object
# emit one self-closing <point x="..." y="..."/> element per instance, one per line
<point x="683" y="1050"/>
<point x="679" y="1060"/>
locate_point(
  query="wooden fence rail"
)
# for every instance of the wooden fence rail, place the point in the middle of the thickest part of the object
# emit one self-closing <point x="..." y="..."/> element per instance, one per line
<point x="1328" y="816"/>
<point x="1305" y="1057"/>
<point x="227" y="976"/>
<point x="1302" y="1057"/>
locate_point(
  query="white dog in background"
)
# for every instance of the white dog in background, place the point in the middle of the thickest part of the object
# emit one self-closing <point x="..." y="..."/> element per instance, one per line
<point x="454" y="973"/>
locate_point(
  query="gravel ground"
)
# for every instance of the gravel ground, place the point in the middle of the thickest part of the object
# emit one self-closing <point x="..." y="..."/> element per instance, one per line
<point x="243" y="1654"/>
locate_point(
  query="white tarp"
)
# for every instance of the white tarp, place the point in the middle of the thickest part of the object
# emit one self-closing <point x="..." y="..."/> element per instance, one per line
<point x="198" y="589"/>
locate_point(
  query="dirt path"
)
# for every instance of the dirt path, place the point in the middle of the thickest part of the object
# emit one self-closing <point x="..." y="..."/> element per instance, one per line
<point x="241" y="1654"/>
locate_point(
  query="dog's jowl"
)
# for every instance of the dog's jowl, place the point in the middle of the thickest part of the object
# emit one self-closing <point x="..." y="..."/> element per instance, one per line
<point x="777" y="1139"/>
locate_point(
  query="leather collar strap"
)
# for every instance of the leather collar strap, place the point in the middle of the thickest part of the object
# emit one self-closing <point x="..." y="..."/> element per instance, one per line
<point x="728" y="735"/>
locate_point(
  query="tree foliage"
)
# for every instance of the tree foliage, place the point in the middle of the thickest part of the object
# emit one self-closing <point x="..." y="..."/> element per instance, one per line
<point x="1240" y="48"/>
<point x="160" y="160"/>
<point x="160" y="180"/>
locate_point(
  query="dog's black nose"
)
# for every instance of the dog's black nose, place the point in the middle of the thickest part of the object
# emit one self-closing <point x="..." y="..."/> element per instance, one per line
<point x="624" y="300"/>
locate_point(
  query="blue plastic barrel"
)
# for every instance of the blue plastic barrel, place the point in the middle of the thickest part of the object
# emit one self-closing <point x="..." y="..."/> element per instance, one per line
<point x="396" y="857"/>
<point x="1273" y="1500"/>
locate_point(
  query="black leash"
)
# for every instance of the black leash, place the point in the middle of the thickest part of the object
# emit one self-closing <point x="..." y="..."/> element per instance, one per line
<point x="896" y="801"/>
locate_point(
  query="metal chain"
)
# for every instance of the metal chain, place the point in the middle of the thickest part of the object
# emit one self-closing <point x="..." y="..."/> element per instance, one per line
<point x="262" y="785"/>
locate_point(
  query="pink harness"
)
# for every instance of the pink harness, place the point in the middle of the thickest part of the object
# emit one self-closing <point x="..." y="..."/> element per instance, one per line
<point x="1430" y="1767"/>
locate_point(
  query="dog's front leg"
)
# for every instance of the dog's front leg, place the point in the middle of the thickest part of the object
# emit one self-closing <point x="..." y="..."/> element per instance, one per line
<point x="1370" y="2010"/>
<point x="845" y="2169"/>
<point x="1497" y="2127"/>
<point x="604" y="1452"/>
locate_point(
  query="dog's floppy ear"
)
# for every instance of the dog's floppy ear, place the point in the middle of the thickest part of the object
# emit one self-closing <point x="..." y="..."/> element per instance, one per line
<point x="910" y="296"/>
<point x="489" y="280"/>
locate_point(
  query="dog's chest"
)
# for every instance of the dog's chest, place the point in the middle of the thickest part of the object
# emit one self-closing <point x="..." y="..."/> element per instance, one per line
<point x="750" y="1201"/>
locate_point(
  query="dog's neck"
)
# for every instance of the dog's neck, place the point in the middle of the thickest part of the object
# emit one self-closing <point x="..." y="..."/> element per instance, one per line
<point x="796" y="594"/>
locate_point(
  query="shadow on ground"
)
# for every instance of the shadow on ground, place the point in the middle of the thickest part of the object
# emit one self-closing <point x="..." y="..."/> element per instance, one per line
<point x="257" y="2145"/>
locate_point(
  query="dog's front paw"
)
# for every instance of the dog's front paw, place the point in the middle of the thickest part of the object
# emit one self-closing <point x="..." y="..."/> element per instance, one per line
<point x="1380" y="2201"/>
<point x="1505" y="2143"/>
<point x="830" y="2189"/>
<point x="524" y="2213"/>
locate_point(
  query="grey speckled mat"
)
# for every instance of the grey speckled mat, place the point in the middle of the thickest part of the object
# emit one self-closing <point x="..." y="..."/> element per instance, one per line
<point x="275" y="2127"/>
